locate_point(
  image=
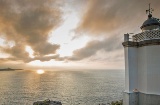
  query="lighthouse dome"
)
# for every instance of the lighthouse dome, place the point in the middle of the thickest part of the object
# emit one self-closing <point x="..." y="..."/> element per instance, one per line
<point x="151" y="24"/>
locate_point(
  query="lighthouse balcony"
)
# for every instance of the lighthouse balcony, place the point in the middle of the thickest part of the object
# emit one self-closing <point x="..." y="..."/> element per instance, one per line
<point x="147" y="35"/>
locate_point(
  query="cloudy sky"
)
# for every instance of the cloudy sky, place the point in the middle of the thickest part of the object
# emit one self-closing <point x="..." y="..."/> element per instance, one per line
<point x="78" y="34"/>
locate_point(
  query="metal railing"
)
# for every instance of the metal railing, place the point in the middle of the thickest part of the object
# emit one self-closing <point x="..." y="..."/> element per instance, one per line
<point x="147" y="35"/>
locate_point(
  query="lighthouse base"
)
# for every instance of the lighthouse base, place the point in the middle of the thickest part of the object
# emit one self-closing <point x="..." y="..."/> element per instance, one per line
<point x="140" y="99"/>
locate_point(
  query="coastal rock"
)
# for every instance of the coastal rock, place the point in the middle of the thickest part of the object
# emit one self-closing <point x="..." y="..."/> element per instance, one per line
<point x="47" y="102"/>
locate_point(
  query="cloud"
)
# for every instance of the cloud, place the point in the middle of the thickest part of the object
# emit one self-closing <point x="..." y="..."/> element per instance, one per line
<point x="56" y="57"/>
<point x="92" y="47"/>
<point x="105" y="16"/>
<point x="29" y="22"/>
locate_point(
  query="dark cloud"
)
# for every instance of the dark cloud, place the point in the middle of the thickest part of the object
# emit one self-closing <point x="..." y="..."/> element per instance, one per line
<point x="17" y="52"/>
<point x="108" y="45"/>
<point x="28" y="22"/>
<point x="104" y="16"/>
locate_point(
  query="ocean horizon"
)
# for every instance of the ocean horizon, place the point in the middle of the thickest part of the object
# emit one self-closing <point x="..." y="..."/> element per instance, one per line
<point x="71" y="87"/>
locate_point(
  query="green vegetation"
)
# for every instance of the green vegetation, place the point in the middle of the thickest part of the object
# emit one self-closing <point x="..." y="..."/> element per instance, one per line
<point x="116" y="102"/>
<point x="47" y="102"/>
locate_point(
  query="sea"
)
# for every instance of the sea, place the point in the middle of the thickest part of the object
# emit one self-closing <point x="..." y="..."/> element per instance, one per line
<point x="71" y="87"/>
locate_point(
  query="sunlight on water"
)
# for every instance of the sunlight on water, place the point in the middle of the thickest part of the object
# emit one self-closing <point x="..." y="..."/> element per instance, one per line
<point x="40" y="71"/>
<point x="69" y="87"/>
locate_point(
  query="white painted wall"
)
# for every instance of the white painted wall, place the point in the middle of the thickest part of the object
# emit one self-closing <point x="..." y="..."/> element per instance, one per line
<point x="142" y="69"/>
<point x="149" y="69"/>
<point x="131" y="69"/>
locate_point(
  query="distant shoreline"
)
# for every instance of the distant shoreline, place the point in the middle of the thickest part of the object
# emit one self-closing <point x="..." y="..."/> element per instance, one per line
<point x="9" y="69"/>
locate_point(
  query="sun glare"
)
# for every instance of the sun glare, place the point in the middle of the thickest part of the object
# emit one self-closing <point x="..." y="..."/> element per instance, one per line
<point x="40" y="71"/>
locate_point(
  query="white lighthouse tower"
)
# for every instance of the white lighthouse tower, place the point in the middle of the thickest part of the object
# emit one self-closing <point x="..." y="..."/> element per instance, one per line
<point x="142" y="64"/>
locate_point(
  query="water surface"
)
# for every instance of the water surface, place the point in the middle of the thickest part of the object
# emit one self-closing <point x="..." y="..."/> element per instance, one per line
<point x="69" y="87"/>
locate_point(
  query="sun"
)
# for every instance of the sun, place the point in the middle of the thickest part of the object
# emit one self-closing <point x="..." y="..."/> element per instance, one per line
<point x="40" y="71"/>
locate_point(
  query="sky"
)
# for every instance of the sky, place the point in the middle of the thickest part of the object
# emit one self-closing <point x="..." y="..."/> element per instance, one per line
<point x="68" y="34"/>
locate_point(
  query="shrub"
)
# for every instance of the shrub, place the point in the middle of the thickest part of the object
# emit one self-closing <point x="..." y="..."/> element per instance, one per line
<point x="116" y="102"/>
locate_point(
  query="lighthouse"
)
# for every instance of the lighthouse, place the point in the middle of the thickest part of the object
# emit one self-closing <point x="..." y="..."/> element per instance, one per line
<point x="142" y="64"/>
